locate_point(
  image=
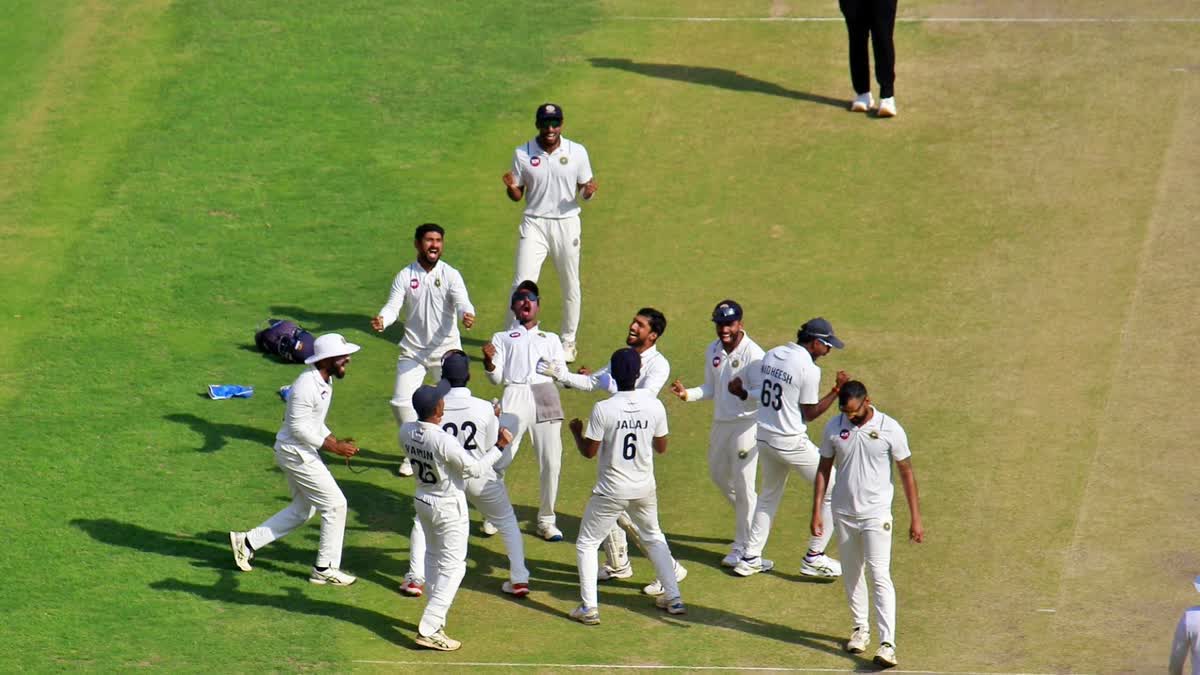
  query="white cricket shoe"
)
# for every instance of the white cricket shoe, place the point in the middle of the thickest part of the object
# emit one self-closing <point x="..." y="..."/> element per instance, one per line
<point x="859" y="639"/>
<point x="732" y="559"/>
<point x="332" y="576"/>
<point x="862" y="103"/>
<point x="608" y="572"/>
<point x="242" y="555"/>
<point x="439" y="641"/>
<point x="549" y="532"/>
<point x="487" y="528"/>
<point x="405" y="469"/>
<point x="515" y="590"/>
<point x="886" y="656"/>
<point x="656" y="588"/>
<point x="412" y="586"/>
<point x="569" y="352"/>
<point x="821" y="567"/>
<point x="586" y="615"/>
<point x="751" y="566"/>
<point x="887" y="107"/>
<point x="672" y="605"/>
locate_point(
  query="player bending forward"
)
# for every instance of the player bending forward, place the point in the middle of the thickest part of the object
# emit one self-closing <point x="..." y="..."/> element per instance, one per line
<point x="862" y="443"/>
<point x="622" y="430"/>
<point x="472" y="421"/>
<point x="441" y="467"/>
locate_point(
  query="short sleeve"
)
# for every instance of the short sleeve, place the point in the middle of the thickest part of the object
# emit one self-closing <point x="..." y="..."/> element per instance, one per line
<point x="827" y="449"/>
<point x="810" y="386"/>
<point x="660" y="426"/>
<point x="595" y="425"/>
<point x="897" y="439"/>
<point x="584" y="164"/>
<point x="518" y="168"/>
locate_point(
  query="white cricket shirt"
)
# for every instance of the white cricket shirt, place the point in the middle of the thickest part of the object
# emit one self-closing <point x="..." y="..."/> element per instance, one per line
<point x="551" y="180"/>
<point x="472" y="421"/>
<point x="786" y="379"/>
<point x="654" y="373"/>
<point x="863" y="458"/>
<point x="1186" y="642"/>
<point x="433" y="301"/>
<point x="626" y="425"/>
<point x="517" y="354"/>
<point x="719" y="369"/>
<point x="440" y="464"/>
<point x="303" y="428"/>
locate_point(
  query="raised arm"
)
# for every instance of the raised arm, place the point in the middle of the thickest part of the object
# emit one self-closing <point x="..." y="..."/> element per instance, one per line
<point x="460" y="462"/>
<point x="390" y="311"/>
<point x="812" y="411"/>
<point x="586" y="446"/>
<point x="461" y="300"/>
<point x="493" y="360"/>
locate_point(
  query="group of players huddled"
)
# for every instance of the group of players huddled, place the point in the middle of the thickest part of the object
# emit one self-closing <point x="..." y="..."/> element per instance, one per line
<point x="457" y="446"/>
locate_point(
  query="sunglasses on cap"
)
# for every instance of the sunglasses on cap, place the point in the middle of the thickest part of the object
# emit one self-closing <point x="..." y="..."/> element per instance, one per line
<point x="525" y="295"/>
<point x="548" y="124"/>
<point x="825" y="342"/>
<point x="724" y="313"/>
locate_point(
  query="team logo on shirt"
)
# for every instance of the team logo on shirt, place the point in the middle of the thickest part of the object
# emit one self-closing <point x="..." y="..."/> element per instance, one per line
<point x="535" y="161"/>
<point x="562" y="160"/>
<point x="413" y="283"/>
<point x="874" y="435"/>
<point x="514" y="334"/>
<point x="437" y="282"/>
<point x="736" y="363"/>
<point x="541" y="335"/>
<point x="324" y="393"/>
<point x="844" y="434"/>
<point x="716" y="361"/>
<point x="887" y="527"/>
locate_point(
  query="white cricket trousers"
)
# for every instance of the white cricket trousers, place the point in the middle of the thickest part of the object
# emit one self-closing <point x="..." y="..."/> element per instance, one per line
<point x="775" y="466"/>
<point x="519" y="414"/>
<point x="865" y="545"/>
<point x="599" y="517"/>
<point x="445" y="524"/>
<point x="313" y="491"/>
<point x="490" y="497"/>
<point x="732" y="465"/>
<point x="410" y="375"/>
<point x="558" y="238"/>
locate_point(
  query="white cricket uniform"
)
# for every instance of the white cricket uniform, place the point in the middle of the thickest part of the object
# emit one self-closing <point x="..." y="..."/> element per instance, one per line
<point x="441" y="468"/>
<point x="786" y="379"/>
<point x="732" y="453"/>
<point x="433" y="303"/>
<point x="1186" y="642"/>
<point x="517" y="354"/>
<point x="626" y="425"/>
<point x="550" y="225"/>
<point x="473" y="422"/>
<point x="862" y="509"/>
<point x="313" y="489"/>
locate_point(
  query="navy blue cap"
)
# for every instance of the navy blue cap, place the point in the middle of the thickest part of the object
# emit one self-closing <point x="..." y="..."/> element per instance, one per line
<point x="526" y="289"/>
<point x="819" y="329"/>
<point x="625" y="366"/>
<point x="548" y="111"/>
<point x="727" y="311"/>
<point x="425" y="398"/>
<point x="456" y="368"/>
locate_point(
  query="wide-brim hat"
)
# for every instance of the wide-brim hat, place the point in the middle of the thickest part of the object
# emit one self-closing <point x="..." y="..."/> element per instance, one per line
<point x="330" y="345"/>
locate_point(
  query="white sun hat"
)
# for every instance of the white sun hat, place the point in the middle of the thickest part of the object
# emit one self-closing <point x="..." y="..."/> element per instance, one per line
<point x="330" y="345"/>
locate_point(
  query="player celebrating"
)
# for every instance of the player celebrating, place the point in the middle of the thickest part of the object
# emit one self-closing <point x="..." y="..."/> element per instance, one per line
<point x="622" y="430"/>
<point x="550" y="172"/>
<point x="732" y="456"/>
<point x="472" y="421"/>
<point x="862" y="443"/>
<point x="297" y="451"/>
<point x="647" y="326"/>
<point x="432" y="293"/>
<point x="441" y="466"/>
<point x="530" y="401"/>
<point x="785" y="386"/>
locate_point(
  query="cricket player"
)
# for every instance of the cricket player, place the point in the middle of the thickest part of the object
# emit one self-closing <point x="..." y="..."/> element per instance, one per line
<point x="551" y="173"/>
<point x="732" y="451"/>
<point x="434" y="296"/>
<point x="647" y="326"/>
<point x="530" y="401"/>
<point x="862" y="443"/>
<point x="474" y="423"/>
<point x="297" y="452"/>
<point x="786" y="388"/>
<point x="442" y="467"/>
<point x="1187" y="640"/>
<point x="623" y="430"/>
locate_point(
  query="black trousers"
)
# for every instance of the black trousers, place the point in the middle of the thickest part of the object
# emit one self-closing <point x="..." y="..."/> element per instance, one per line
<point x="872" y="20"/>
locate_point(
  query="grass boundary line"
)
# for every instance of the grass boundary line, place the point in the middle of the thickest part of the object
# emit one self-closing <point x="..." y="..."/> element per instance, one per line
<point x="624" y="666"/>
<point x="918" y="19"/>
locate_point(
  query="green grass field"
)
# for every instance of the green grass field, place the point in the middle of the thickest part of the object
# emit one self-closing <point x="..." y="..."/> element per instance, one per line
<point x="1011" y="262"/>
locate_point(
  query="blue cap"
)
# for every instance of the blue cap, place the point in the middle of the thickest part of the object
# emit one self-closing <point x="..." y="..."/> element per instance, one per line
<point x="625" y="366"/>
<point x="456" y="368"/>
<point x="425" y="398"/>
<point x="548" y="111"/>
<point x="727" y="311"/>
<point x="818" y="329"/>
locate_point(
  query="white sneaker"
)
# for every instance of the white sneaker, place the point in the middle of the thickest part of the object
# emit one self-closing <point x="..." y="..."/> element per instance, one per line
<point x="488" y="528"/>
<point x="608" y="572"/>
<point x="405" y="469"/>
<point x="862" y="103"/>
<point x="887" y="107"/>
<point x="516" y="590"/>
<point x="549" y="533"/>
<point x="242" y="555"/>
<point x="569" y="353"/>
<point x="657" y="589"/>
<point x="332" y="576"/>
<point x="439" y="641"/>
<point x="732" y="559"/>
<point x="821" y="567"/>
<point x="750" y="566"/>
<point x="859" y="639"/>
<point x="412" y="586"/>
<point x="672" y="605"/>
<point x="886" y="656"/>
<point x="586" y="615"/>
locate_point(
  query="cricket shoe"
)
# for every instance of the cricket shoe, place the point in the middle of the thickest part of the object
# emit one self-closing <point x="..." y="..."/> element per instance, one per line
<point x="750" y="566"/>
<point x="589" y="616"/>
<point x="732" y="559"/>
<point x="242" y="555"/>
<point x="656" y="589"/>
<point x="412" y="586"/>
<point x="332" y="576"/>
<point x="549" y="533"/>
<point x="672" y="605"/>
<point x="887" y="107"/>
<point x="569" y="352"/>
<point x="405" y="469"/>
<point x="821" y="567"/>
<point x="859" y="639"/>
<point x="488" y="529"/>
<point x="862" y="103"/>
<point x="439" y="641"/>
<point x="515" y="590"/>
<point x="886" y="656"/>
<point x="608" y="572"/>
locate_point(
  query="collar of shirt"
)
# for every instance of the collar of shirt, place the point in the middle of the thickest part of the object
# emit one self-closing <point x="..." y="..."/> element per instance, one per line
<point x="418" y="270"/>
<point x="316" y="375"/>
<point x="535" y="149"/>
<point x="458" y="394"/>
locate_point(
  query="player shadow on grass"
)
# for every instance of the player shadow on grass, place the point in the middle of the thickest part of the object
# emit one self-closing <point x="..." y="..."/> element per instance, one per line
<point x="217" y="435"/>
<point x="342" y="322"/>
<point x="722" y="78"/>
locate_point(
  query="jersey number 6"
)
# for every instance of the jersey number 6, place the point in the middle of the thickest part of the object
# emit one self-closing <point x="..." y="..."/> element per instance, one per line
<point x="629" y="451"/>
<point x="424" y="472"/>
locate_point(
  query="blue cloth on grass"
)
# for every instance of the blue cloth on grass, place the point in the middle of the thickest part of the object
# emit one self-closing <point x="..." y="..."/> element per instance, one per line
<point x="222" y="391"/>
